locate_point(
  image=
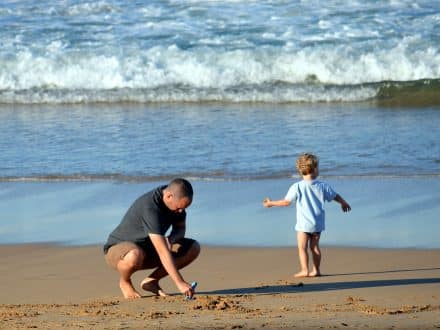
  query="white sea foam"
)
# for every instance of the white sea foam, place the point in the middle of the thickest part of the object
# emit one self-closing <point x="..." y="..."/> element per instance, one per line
<point x="91" y="8"/>
<point x="237" y="50"/>
<point x="207" y="69"/>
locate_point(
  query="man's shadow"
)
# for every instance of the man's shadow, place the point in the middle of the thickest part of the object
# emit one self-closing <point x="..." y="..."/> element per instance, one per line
<point x="331" y="286"/>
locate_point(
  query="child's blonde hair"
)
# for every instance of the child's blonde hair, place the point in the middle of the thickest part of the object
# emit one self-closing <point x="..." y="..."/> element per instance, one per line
<point x="307" y="163"/>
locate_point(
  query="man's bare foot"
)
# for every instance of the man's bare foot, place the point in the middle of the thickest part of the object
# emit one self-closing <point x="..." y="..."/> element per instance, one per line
<point x="152" y="285"/>
<point x="128" y="290"/>
<point x="301" y="274"/>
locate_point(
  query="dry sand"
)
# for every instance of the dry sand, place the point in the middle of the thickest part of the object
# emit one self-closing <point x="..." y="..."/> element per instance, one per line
<point x="46" y="286"/>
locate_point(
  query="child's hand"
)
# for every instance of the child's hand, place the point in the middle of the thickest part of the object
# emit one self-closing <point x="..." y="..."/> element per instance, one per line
<point x="345" y="207"/>
<point x="266" y="202"/>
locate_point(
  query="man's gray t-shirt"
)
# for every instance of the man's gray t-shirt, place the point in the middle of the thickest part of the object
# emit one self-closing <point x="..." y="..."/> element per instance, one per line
<point x="147" y="215"/>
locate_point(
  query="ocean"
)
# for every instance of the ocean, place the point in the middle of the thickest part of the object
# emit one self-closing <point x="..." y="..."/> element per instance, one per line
<point x="228" y="51"/>
<point x="114" y="93"/>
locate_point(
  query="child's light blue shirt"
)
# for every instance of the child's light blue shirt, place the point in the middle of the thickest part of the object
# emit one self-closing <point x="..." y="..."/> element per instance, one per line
<point x="310" y="197"/>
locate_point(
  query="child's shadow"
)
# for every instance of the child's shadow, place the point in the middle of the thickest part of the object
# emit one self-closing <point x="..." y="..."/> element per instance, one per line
<point x="385" y="271"/>
<point x="329" y="286"/>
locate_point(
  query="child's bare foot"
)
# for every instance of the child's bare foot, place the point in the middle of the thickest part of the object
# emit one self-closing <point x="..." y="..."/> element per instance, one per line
<point x="315" y="274"/>
<point x="128" y="290"/>
<point x="152" y="285"/>
<point x="301" y="274"/>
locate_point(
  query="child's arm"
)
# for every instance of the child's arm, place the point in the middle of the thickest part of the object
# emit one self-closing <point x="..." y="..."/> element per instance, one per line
<point x="267" y="202"/>
<point x="344" y="205"/>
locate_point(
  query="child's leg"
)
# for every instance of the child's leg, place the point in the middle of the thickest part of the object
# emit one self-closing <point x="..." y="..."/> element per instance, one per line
<point x="316" y="254"/>
<point x="303" y="240"/>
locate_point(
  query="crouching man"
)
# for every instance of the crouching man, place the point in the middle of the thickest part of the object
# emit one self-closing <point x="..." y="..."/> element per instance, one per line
<point x="139" y="241"/>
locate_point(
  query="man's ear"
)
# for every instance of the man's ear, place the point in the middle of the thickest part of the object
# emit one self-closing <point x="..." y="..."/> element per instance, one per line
<point x="168" y="194"/>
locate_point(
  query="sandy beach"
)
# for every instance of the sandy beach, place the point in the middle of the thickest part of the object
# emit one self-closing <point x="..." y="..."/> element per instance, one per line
<point x="57" y="287"/>
<point x="103" y="101"/>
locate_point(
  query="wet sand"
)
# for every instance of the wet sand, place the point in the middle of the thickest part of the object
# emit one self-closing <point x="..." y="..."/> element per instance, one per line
<point x="388" y="212"/>
<point x="48" y="286"/>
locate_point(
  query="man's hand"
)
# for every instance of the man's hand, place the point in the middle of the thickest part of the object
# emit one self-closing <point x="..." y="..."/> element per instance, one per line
<point x="186" y="289"/>
<point x="167" y="240"/>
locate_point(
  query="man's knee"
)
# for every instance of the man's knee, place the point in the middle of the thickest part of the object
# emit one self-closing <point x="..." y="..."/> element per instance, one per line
<point x="187" y="247"/>
<point x="194" y="250"/>
<point x="132" y="260"/>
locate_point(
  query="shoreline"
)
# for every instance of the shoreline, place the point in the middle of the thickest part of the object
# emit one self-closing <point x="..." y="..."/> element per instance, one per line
<point x="47" y="286"/>
<point x="220" y="246"/>
<point x="117" y="178"/>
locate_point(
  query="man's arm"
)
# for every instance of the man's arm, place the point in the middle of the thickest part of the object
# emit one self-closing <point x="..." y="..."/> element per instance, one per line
<point x="161" y="246"/>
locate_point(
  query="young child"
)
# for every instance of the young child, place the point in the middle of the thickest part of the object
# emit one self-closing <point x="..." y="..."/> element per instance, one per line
<point x="309" y="195"/>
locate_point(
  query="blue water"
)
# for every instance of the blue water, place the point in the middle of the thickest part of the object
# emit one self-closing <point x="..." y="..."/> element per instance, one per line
<point x="112" y="93"/>
<point x="222" y="142"/>
<point x="218" y="89"/>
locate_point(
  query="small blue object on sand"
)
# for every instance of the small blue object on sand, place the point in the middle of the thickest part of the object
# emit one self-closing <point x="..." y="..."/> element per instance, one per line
<point x="193" y="286"/>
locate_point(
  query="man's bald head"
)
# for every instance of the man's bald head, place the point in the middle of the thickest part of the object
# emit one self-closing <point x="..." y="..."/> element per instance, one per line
<point x="181" y="188"/>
